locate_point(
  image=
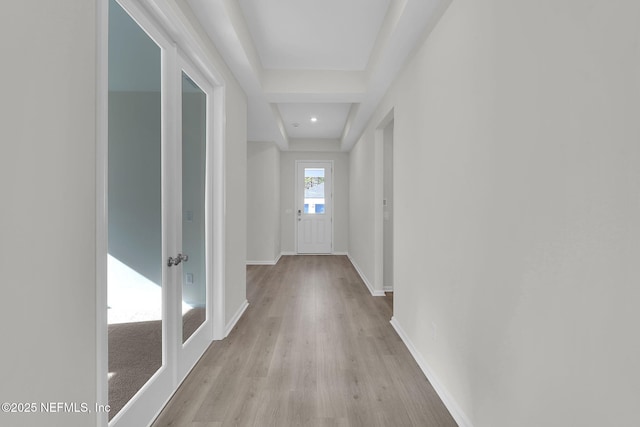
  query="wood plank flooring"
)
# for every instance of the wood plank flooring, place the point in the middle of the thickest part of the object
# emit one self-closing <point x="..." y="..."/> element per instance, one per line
<point x="314" y="349"/>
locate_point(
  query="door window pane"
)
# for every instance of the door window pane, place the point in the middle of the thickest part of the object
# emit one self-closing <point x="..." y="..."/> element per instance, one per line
<point x="314" y="191"/>
<point x="194" y="131"/>
<point x="135" y="208"/>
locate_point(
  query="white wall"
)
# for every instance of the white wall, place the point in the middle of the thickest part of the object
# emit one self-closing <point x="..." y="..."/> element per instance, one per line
<point x="47" y="208"/>
<point x="517" y="210"/>
<point x="340" y="197"/>
<point x="235" y="203"/>
<point x="263" y="202"/>
<point x="309" y="144"/>
<point x="361" y="206"/>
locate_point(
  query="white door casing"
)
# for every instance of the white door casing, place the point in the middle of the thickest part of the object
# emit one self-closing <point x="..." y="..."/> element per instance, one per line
<point x="314" y="207"/>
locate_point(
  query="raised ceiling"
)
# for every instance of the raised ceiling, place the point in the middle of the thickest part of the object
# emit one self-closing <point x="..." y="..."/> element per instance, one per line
<point x="329" y="123"/>
<point x="310" y="35"/>
<point x="333" y="59"/>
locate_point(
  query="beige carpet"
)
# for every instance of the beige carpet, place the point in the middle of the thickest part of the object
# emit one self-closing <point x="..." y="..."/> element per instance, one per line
<point x="135" y="354"/>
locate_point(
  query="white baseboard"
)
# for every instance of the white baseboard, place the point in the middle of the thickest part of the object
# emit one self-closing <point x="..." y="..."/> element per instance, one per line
<point x="235" y="318"/>
<point x="333" y="253"/>
<point x="274" y="262"/>
<point x="388" y="288"/>
<point x="365" y="280"/>
<point x="456" y="412"/>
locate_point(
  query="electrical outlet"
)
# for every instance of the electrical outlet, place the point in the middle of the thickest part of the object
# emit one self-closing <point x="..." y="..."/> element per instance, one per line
<point x="188" y="279"/>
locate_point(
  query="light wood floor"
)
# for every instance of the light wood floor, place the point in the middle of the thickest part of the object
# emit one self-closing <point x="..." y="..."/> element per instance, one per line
<point x="314" y="348"/>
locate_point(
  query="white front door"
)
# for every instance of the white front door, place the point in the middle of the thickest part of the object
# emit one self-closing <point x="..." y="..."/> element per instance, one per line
<point x="314" y="207"/>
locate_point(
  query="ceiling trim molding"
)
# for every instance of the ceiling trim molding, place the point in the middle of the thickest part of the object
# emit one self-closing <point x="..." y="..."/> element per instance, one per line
<point x="404" y="27"/>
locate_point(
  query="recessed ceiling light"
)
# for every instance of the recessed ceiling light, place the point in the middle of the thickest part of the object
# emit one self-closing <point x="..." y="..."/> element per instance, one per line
<point x="314" y="119"/>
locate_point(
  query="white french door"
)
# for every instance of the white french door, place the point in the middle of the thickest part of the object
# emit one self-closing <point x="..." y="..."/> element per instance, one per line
<point x="194" y="275"/>
<point x="140" y="217"/>
<point x="160" y="217"/>
<point x="314" y="207"/>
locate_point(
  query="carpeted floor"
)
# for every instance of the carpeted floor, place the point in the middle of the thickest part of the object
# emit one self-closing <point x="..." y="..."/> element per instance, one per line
<point x="135" y="354"/>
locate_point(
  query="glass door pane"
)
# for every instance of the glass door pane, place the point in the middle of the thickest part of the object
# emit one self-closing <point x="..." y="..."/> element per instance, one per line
<point x="194" y="133"/>
<point x="314" y="191"/>
<point x="135" y="265"/>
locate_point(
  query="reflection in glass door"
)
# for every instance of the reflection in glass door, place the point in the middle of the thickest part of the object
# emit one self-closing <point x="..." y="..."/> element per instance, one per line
<point x="194" y="134"/>
<point x="135" y="264"/>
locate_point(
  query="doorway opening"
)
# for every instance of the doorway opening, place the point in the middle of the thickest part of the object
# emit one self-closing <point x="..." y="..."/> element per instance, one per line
<point x="387" y="203"/>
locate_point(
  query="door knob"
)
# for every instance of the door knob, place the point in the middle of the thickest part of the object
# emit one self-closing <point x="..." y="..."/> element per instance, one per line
<point x="177" y="260"/>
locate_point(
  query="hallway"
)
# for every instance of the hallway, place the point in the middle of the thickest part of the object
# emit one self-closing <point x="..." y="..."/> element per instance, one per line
<point x="313" y="349"/>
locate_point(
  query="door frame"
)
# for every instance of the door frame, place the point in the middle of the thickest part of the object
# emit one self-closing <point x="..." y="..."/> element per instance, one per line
<point x="296" y="202"/>
<point x="171" y="31"/>
<point x="378" y="229"/>
<point x="387" y="223"/>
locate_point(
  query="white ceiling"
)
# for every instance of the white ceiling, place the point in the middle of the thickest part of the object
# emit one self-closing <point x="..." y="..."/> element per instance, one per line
<point x="330" y="122"/>
<point x="331" y="58"/>
<point x="310" y="35"/>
